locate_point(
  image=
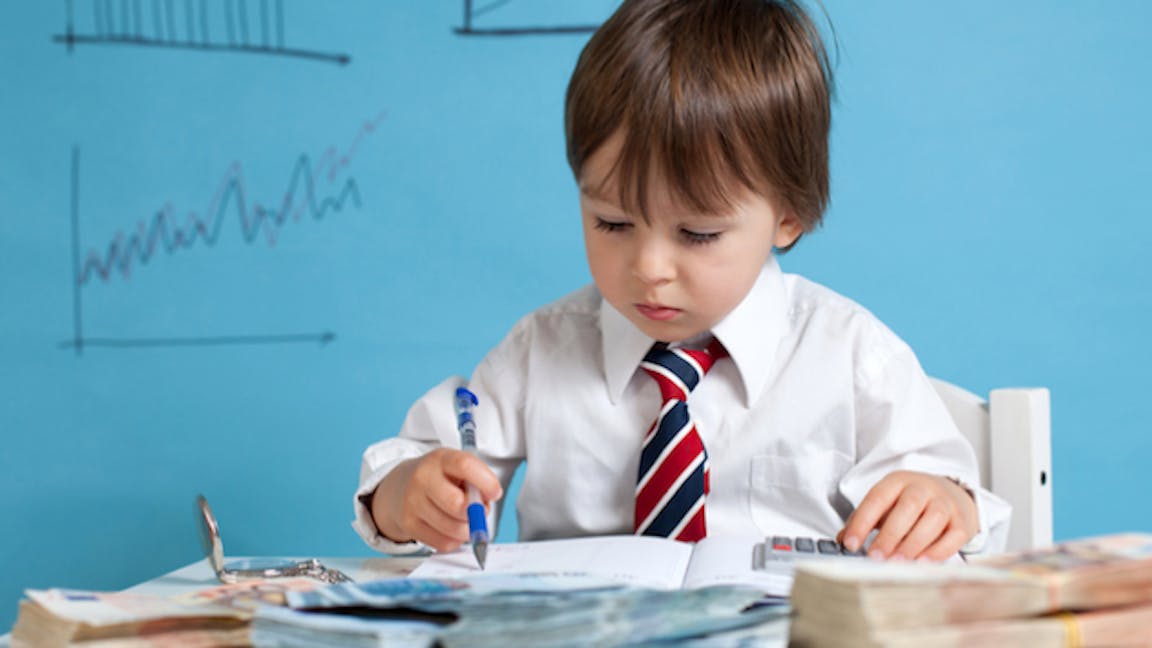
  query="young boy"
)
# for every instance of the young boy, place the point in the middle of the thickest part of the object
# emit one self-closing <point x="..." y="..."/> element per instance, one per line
<point x="698" y="134"/>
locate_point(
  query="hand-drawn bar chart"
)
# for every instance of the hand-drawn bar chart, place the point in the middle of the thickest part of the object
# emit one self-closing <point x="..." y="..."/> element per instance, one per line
<point x="236" y="26"/>
<point x="315" y="189"/>
<point x="502" y="24"/>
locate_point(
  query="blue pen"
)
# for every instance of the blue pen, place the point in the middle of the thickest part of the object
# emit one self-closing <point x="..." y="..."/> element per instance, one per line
<point x="477" y="521"/>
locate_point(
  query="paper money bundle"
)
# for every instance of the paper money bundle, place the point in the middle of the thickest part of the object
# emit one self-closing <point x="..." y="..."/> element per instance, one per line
<point x="50" y="618"/>
<point x="217" y="616"/>
<point x="1090" y="592"/>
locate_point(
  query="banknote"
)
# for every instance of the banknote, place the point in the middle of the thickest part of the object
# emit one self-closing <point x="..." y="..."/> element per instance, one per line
<point x="274" y="627"/>
<point x="442" y="594"/>
<point x="549" y="610"/>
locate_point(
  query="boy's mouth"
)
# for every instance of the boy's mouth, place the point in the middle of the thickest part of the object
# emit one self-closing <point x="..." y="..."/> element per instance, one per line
<point x="657" y="312"/>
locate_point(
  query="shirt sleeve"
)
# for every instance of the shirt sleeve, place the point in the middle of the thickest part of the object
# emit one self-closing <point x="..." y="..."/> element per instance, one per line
<point x="431" y="424"/>
<point x="903" y="425"/>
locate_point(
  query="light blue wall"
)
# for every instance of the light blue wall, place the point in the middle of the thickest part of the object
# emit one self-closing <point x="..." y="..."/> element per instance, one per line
<point x="990" y="202"/>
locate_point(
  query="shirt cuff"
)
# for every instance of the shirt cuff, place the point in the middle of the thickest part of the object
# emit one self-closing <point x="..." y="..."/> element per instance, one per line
<point x="365" y="525"/>
<point x="993" y="514"/>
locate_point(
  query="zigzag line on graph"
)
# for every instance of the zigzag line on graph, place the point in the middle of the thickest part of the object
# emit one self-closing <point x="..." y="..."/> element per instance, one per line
<point x="162" y="234"/>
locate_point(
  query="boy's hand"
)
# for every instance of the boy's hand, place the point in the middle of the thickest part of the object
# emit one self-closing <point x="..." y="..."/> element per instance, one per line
<point x="424" y="499"/>
<point x="918" y="516"/>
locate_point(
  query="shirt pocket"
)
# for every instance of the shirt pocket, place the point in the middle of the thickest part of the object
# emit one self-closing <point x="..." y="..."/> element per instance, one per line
<point x="798" y="489"/>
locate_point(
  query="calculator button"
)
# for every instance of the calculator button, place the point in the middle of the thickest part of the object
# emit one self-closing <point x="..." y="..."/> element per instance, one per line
<point x="858" y="552"/>
<point x="780" y="543"/>
<point x="805" y="545"/>
<point x="826" y="546"/>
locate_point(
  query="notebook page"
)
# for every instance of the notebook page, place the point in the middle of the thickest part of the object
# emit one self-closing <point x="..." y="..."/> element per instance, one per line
<point x="641" y="561"/>
<point x="728" y="561"/>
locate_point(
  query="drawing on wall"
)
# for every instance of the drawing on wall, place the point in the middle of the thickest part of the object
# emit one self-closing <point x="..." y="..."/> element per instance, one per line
<point x="496" y="28"/>
<point x="238" y="26"/>
<point x="314" y="190"/>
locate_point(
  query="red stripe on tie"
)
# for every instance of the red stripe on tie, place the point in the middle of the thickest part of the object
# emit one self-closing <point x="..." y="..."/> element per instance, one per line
<point x="696" y="529"/>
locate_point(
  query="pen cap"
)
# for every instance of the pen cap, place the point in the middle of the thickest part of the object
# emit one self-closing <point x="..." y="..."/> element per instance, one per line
<point x="465" y="398"/>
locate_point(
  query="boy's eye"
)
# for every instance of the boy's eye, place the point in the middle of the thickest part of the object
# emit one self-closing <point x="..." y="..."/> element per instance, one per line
<point x="699" y="238"/>
<point x="611" y="226"/>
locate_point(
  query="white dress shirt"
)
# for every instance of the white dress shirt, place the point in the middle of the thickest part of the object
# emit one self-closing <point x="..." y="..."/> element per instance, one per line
<point x="816" y="402"/>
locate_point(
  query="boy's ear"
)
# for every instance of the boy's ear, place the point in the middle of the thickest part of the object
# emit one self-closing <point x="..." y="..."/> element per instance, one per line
<point x="788" y="231"/>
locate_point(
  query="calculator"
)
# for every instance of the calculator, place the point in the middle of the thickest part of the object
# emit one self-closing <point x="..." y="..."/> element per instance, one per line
<point x="780" y="554"/>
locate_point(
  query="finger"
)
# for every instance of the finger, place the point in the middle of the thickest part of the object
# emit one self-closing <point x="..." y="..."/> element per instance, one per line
<point x="469" y="469"/>
<point x="899" y="521"/>
<point x="948" y="544"/>
<point x="428" y="515"/>
<point x="434" y="538"/>
<point x="924" y="532"/>
<point x="448" y="498"/>
<point x="869" y="514"/>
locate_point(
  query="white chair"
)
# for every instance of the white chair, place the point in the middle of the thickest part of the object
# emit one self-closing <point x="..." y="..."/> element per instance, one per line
<point x="1011" y="433"/>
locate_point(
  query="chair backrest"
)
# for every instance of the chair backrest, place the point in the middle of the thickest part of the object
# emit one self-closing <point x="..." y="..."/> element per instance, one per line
<point x="1011" y="433"/>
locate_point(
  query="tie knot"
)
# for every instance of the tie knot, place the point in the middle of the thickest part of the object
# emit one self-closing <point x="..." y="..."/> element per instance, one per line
<point x="678" y="371"/>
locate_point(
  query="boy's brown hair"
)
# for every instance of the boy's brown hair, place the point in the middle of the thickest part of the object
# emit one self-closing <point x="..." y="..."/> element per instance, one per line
<point x="710" y="96"/>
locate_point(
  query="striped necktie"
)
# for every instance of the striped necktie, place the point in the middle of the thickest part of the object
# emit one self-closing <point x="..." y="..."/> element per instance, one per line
<point x="673" y="476"/>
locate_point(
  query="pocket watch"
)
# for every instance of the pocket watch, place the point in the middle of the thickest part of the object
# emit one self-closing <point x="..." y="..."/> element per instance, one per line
<point x="234" y="571"/>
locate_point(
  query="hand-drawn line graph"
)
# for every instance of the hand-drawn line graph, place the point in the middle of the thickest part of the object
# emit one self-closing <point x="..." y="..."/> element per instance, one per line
<point x="162" y="234"/>
<point x="471" y="12"/>
<point x="189" y="24"/>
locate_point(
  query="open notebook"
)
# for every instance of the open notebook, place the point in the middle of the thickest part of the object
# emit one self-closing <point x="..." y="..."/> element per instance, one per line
<point x="641" y="561"/>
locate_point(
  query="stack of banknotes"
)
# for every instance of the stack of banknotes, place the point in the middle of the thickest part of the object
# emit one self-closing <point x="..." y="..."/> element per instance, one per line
<point x="536" y="610"/>
<point x="1087" y="592"/>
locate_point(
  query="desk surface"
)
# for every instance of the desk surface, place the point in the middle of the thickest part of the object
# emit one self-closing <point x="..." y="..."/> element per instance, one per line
<point x="199" y="575"/>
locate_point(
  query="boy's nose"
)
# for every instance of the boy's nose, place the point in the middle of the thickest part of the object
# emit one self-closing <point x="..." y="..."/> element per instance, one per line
<point x="653" y="264"/>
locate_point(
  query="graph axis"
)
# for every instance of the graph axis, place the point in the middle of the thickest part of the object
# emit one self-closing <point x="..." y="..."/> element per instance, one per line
<point x="469" y="29"/>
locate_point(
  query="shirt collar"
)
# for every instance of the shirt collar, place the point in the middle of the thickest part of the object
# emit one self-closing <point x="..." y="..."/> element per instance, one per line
<point x="623" y="347"/>
<point x="750" y="333"/>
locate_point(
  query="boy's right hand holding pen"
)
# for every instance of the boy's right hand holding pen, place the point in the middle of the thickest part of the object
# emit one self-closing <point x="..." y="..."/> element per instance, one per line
<point x="426" y="499"/>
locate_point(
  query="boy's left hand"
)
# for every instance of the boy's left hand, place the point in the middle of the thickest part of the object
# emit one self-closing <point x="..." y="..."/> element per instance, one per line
<point x="918" y="516"/>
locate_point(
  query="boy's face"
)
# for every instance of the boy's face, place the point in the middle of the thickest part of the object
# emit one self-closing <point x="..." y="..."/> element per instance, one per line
<point x="679" y="274"/>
